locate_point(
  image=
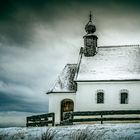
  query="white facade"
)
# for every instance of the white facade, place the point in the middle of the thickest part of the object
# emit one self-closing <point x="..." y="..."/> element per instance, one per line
<point x="55" y="100"/>
<point x="86" y="96"/>
<point x="85" y="99"/>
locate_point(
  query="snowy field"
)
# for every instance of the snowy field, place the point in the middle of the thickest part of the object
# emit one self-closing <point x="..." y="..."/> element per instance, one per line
<point x="75" y="132"/>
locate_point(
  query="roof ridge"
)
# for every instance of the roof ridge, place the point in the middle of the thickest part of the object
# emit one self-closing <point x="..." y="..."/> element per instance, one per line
<point x="111" y="46"/>
<point x="70" y="64"/>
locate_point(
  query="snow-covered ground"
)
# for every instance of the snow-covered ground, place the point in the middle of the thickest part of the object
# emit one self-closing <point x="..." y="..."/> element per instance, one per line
<point x="75" y="132"/>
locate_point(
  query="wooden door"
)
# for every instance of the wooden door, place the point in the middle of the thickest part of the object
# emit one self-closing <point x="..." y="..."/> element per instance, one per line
<point x="67" y="105"/>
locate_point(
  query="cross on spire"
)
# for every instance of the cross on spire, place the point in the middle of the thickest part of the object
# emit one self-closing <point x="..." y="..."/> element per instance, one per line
<point x="90" y="16"/>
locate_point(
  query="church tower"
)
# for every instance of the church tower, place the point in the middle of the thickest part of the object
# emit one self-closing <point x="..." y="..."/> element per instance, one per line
<point x="90" y="40"/>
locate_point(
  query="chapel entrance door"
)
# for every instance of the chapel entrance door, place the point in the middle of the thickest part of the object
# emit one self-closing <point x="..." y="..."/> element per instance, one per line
<point x="67" y="105"/>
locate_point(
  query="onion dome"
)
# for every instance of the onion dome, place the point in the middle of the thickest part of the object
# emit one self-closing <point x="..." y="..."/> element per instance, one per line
<point x="90" y="27"/>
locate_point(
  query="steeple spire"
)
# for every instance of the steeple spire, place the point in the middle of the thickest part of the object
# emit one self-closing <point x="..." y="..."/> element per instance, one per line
<point x="90" y="27"/>
<point x="90" y="17"/>
<point x="90" y="40"/>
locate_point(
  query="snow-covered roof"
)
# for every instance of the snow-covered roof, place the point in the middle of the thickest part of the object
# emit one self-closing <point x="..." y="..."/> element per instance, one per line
<point x="111" y="63"/>
<point x="65" y="81"/>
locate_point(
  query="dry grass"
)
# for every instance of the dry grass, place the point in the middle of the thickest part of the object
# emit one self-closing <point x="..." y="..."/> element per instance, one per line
<point x="49" y="134"/>
<point x="83" y="134"/>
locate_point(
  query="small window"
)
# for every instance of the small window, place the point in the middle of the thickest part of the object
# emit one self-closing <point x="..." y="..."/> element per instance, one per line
<point x="124" y="98"/>
<point x="100" y="97"/>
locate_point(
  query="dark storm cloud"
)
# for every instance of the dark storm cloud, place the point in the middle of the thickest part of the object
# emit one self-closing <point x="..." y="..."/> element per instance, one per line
<point x="17" y="17"/>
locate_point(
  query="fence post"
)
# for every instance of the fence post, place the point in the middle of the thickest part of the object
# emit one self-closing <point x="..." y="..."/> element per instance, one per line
<point x="101" y="119"/>
<point x="53" y="119"/>
<point x="72" y="117"/>
<point x="26" y="121"/>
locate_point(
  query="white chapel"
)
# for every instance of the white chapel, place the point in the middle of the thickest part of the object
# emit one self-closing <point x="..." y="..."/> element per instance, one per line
<point x="105" y="78"/>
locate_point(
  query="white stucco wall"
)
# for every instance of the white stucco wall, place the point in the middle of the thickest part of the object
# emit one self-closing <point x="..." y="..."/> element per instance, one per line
<point x="55" y="103"/>
<point x="86" y="96"/>
<point x="85" y="99"/>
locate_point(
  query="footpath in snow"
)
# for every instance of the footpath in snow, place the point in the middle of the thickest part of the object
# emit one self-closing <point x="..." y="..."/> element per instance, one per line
<point x="75" y="132"/>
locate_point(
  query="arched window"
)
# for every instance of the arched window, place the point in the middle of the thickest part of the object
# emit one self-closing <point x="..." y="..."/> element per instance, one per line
<point x="100" y="97"/>
<point x="124" y="97"/>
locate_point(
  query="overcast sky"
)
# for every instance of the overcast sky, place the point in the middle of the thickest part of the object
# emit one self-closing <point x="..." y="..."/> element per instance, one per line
<point x="39" y="37"/>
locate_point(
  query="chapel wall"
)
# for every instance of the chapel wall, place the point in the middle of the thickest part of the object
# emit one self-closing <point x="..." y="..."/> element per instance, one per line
<point x="55" y="103"/>
<point x="86" y="96"/>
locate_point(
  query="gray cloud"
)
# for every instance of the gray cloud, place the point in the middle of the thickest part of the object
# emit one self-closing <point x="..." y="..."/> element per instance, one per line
<point x="13" y="118"/>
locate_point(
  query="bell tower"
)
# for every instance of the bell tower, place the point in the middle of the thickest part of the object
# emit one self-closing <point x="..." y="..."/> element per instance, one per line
<point x="90" y="40"/>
